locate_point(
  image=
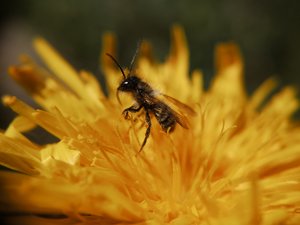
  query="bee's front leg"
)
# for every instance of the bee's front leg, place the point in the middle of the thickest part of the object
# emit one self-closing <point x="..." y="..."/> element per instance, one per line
<point x="135" y="108"/>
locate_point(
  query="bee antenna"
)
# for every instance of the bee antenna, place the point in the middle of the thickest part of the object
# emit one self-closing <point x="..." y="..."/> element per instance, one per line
<point x="134" y="56"/>
<point x="116" y="62"/>
<point x="118" y="97"/>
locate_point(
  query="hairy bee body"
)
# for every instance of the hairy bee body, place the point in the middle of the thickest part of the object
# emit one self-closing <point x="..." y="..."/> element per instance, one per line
<point x="147" y="99"/>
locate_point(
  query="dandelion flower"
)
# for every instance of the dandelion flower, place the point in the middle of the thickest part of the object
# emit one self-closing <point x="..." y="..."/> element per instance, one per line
<point x="238" y="163"/>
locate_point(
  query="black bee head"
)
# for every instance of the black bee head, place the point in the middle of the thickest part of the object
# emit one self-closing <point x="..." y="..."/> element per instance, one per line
<point x="129" y="84"/>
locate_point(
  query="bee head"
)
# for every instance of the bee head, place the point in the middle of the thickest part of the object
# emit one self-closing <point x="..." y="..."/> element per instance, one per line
<point x="129" y="84"/>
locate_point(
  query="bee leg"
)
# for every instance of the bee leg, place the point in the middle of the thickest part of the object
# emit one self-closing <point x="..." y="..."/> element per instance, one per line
<point x="134" y="109"/>
<point x="169" y="130"/>
<point x="148" y="121"/>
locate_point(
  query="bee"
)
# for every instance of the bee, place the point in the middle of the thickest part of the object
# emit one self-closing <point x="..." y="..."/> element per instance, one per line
<point x="147" y="98"/>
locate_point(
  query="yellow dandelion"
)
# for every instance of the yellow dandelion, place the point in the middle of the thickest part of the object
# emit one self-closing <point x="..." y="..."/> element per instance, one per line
<point x="238" y="163"/>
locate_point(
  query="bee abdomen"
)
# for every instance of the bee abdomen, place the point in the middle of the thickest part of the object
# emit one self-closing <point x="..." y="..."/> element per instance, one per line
<point x="166" y="120"/>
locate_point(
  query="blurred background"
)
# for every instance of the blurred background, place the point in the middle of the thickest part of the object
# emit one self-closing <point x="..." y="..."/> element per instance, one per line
<point x="268" y="33"/>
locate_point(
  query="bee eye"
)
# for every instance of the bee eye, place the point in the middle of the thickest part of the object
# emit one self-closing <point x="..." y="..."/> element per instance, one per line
<point x="126" y="82"/>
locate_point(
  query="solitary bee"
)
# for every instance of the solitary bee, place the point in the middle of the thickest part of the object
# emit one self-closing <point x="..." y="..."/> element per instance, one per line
<point x="146" y="98"/>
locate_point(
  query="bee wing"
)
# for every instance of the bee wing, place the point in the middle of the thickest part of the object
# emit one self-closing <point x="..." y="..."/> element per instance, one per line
<point x="179" y="105"/>
<point x="181" y="119"/>
<point x="179" y="109"/>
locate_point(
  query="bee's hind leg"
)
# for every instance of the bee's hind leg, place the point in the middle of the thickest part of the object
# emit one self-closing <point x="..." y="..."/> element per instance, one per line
<point x="148" y="121"/>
